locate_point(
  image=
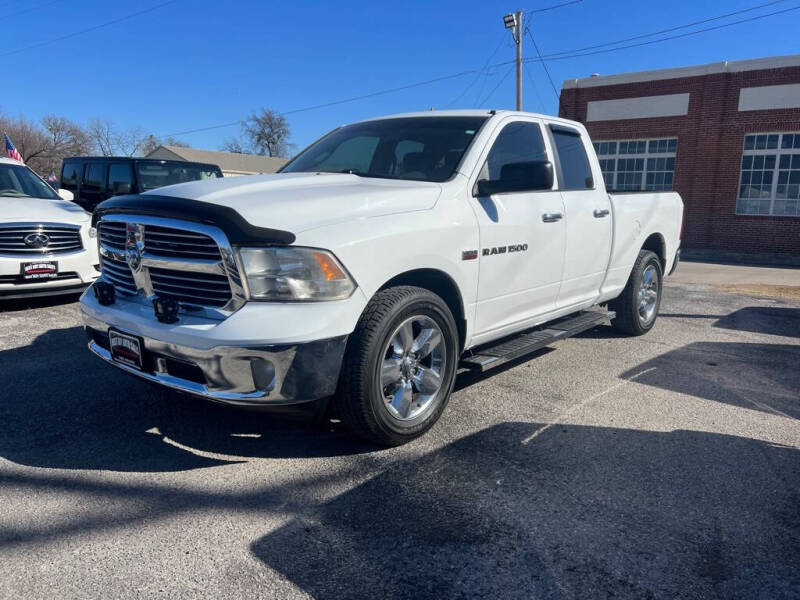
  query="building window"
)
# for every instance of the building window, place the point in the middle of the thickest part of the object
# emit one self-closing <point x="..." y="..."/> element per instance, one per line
<point x="769" y="183"/>
<point x="634" y="165"/>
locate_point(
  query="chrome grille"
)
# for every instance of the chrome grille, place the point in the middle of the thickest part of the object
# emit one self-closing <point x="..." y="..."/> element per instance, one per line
<point x="179" y="243"/>
<point x="204" y="289"/>
<point x="112" y="234"/>
<point x="151" y="256"/>
<point x="119" y="273"/>
<point x="61" y="238"/>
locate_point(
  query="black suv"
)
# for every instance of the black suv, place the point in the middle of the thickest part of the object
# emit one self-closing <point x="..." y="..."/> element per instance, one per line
<point x="93" y="179"/>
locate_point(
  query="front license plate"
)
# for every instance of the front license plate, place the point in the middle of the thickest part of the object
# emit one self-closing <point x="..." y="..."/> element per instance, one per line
<point x="33" y="271"/>
<point x="125" y="349"/>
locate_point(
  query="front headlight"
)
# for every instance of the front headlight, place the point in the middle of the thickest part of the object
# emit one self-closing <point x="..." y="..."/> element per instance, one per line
<point x="294" y="274"/>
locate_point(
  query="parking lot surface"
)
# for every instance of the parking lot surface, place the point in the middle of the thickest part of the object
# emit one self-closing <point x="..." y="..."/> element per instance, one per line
<point x="665" y="466"/>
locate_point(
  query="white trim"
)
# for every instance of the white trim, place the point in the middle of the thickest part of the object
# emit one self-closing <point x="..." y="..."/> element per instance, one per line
<point x="756" y="64"/>
<point x="643" y="107"/>
<point x="770" y="97"/>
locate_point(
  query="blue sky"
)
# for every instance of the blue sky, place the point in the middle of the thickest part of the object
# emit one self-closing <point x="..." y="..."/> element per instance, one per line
<point x="197" y="63"/>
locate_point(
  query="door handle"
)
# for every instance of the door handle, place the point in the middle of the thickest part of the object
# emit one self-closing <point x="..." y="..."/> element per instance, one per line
<point x="552" y="217"/>
<point x="599" y="213"/>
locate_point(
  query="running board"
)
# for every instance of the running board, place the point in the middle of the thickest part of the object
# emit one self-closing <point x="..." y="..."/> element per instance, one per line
<point x="524" y="343"/>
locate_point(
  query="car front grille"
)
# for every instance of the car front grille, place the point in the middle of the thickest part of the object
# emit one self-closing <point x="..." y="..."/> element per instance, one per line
<point x="176" y="243"/>
<point x="204" y="289"/>
<point x="167" y="242"/>
<point x="31" y="239"/>
<point x="112" y="234"/>
<point x="184" y="264"/>
<point x="119" y="273"/>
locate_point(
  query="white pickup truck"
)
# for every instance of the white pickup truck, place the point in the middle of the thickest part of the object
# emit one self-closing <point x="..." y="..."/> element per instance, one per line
<point x="380" y="260"/>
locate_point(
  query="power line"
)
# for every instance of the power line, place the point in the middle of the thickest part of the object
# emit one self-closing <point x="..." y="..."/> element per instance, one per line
<point x="533" y="85"/>
<point x="335" y="102"/>
<point x="564" y="55"/>
<point x="544" y="65"/>
<point x="546" y="8"/>
<point x="88" y="29"/>
<point x="499" y="83"/>
<point x="27" y="10"/>
<point x="671" y="29"/>
<point x="477" y="78"/>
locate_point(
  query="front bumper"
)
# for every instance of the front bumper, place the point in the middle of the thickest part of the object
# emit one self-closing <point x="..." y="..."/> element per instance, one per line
<point x="76" y="270"/>
<point x="271" y="375"/>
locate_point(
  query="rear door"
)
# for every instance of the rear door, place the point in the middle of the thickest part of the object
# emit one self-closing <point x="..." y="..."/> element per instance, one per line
<point x="93" y="184"/>
<point x="521" y="235"/>
<point x="587" y="217"/>
<point x="70" y="175"/>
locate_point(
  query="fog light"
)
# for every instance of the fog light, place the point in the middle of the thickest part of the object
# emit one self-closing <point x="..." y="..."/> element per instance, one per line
<point x="263" y="374"/>
<point x="166" y="310"/>
<point x="104" y="292"/>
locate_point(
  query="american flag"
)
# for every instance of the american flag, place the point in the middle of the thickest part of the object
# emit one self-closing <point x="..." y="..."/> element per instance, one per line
<point x="12" y="152"/>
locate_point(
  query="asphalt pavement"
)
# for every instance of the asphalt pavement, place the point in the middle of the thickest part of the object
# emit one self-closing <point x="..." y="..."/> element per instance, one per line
<point x="665" y="466"/>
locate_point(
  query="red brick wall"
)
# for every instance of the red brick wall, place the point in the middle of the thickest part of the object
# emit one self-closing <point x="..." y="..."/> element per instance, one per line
<point x="710" y="139"/>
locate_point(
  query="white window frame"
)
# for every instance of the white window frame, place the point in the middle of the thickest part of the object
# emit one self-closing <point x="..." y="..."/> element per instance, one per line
<point x="645" y="156"/>
<point x="775" y="171"/>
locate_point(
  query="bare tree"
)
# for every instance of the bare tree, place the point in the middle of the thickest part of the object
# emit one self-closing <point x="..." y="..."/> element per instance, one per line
<point x="103" y="134"/>
<point x="27" y="136"/>
<point x="151" y="143"/>
<point x="268" y="133"/>
<point x="64" y="138"/>
<point x="236" y="145"/>
<point x="110" y="140"/>
<point x="44" y="147"/>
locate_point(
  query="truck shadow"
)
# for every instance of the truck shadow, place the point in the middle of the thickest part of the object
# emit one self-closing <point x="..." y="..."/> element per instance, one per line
<point x="574" y="512"/>
<point x="61" y="407"/>
<point x="761" y="377"/>
<point x="20" y="304"/>
<point x="771" y="320"/>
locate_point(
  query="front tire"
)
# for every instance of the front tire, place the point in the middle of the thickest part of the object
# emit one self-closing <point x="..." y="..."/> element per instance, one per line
<point x="637" y="306"/>
<point x="399" y="366"/>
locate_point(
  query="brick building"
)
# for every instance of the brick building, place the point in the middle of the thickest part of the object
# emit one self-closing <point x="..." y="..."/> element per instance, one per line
<point x="726" y="136"/>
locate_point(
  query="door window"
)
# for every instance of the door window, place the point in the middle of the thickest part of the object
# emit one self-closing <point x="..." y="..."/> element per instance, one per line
<point x="94" y="176"/>
<point x="120" y="178"/>
<point x="575" y="169"/>
<point x="518" y="142"/>
<point x="69" y="175"/>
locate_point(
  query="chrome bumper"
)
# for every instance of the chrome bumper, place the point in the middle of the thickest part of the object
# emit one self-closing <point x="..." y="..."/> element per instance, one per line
<point x="242" y="376"/>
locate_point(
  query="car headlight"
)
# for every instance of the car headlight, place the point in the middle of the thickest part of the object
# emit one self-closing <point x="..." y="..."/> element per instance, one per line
<point x="294" y="274"/>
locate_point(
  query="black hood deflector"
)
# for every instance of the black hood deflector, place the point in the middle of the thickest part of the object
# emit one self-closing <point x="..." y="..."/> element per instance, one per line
<point x="236" y="228"/>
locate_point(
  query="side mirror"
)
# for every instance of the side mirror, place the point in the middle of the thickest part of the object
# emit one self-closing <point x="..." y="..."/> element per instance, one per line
<point x="121" y="187"/>
<point x="66" y="195"/>
<point x="519" y="177"/>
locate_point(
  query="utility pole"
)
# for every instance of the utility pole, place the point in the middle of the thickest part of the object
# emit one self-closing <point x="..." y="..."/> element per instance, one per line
<point x="513" y="21"/>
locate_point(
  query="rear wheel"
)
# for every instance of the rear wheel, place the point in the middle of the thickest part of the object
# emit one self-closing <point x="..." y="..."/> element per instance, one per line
<point x="399" y="366"/>
<point x="637" y="306"/>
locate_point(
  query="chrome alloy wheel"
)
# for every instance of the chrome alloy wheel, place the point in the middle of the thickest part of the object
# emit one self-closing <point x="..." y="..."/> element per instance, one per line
<point x="647" y="296"/>
<point x="414" y="362"/>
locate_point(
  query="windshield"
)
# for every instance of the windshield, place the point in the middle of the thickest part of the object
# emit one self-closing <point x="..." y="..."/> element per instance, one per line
<point x="418" y="148"/>
<point x="18" y="181"/>
<point x="155" y="175"/>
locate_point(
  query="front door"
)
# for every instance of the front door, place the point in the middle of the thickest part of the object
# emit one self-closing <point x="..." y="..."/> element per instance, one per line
<point x="587" y="218"/>
<point x="521" y="237"/>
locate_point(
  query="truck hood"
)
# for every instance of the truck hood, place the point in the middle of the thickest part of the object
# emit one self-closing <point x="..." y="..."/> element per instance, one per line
<point x="300" y="201"/>
<point x="41" y="210"/>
